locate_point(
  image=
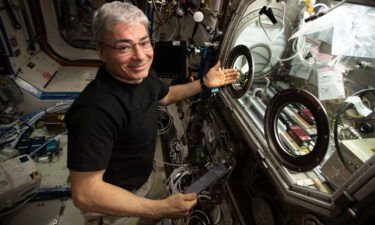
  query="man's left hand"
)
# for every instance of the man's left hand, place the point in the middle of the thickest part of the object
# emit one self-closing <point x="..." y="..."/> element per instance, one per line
<point x="217" y="78"/>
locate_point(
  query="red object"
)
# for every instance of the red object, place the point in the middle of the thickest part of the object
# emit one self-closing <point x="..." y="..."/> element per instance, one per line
<point x="298" y="135"/>
<point x="190" y="79"/>
<point x="13" y="42"/>
<point x="47" y="75"/>
<point x="306" y="115"/>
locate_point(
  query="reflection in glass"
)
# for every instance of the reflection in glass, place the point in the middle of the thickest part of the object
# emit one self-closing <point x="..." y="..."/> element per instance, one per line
<point x="353" y="136"/>
<point x="262" y="59"/>
<point x="267" y="41"/>
<point x="307" y="62"/>
<point x="242" y="66"/>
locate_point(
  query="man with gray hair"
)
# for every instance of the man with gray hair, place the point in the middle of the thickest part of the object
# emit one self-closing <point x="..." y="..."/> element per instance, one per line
<point x="113" y="125"/>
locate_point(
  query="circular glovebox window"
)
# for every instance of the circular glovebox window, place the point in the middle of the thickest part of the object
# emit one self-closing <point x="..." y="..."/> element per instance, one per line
<point x="297" y="130"/>
<point x="240" y="59"/>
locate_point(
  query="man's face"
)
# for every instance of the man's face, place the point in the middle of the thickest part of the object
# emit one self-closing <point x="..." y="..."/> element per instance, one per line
<point x="127" y="53"/>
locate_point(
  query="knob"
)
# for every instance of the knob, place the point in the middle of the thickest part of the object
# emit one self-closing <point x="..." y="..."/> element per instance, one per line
<point x="366" y="127"/>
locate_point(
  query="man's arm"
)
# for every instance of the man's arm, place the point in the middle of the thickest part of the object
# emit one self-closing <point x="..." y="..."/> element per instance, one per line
<point x="91" y="193"/>
<point x="214" y="78"/>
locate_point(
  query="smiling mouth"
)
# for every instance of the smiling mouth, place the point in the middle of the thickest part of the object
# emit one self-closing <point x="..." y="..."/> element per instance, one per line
<point x="138" y="67"/>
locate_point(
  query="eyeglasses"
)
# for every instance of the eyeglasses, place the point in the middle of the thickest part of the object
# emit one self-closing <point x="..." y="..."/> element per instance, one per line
<point x="128" y="48"/>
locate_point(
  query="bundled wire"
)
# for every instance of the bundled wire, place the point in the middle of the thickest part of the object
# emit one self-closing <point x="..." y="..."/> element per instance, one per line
<point x="327" y="10"/>
<point x="163" y="128"/>
<point x="176" y="147"/>
<point x="18" y="128"/>
<point x="199" y="215"/>
<point x="218" y="218"/>
<point x="300" y="49"/>
<point x="57" y="137"/>
<point x="172" y="164"/>
<point x="175" y="179"/>
<point x="155" y="9"/>
<point x="283" y="24"/>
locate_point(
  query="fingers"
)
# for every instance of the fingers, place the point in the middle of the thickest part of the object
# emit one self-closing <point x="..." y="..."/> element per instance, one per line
<point x="190" y="196"/>
<point x="230" y="71"/>
<point x="181" y="204"/>
<point x="216" y="77"/>
<point x="231" y="74"/>
<point x="190" y="200"/>
<point x="189" y="205"/>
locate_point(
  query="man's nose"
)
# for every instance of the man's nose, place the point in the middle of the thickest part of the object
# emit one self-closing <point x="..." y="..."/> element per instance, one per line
<point x="138" y="52"/>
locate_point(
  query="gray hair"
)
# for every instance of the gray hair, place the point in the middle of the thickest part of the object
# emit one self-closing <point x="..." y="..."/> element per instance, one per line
<point x="113" y="13"/>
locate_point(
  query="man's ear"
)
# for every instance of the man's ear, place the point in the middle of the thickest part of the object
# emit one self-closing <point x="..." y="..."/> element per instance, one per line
<point x="100" y="51"/>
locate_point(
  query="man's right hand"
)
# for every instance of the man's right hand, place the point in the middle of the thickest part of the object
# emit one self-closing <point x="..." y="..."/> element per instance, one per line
<point x="178" y="205"/>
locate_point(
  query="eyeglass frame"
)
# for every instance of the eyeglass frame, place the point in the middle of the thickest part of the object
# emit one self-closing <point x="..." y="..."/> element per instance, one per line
<point x="130" y="44"/>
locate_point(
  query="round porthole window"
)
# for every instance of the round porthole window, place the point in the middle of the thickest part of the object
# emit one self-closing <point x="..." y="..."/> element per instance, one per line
<point x="297" y="130"/>
<point x="240" y="58"/>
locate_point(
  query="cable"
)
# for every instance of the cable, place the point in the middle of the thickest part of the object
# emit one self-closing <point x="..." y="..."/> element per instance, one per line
<point x="299" y="47"/>
<point x="218" y="219"/>
<point x="324" y="13"/>
<point x="154" y="8"/>
<point x="22" y="125"/>
<point x="259" y="73"/>
<point x="177" y="27"/>
<point x="204" y="196"/>
<point x="10" y="134"/>
<point x="57" y="137"/>
<point x="164" y="129"/>
<point x="168" y="18"/>
<point x="176" y="147"/>
<point x="174" y="180"/>
<point x="172" y="164"/>
<point x="321" y="5"/>
<point x="195" y="217"/>
<point x="303" y="52"/>
<point x="294" y="49"/>
<point x="283" y="24"/>
<point x="9" y="125"/>
<point x="282" y="30"/>
<point x="179" y="180"/>
<point x="343" y="107"/>
<point x="264" y="30"/>
<point x="201" y="212"/>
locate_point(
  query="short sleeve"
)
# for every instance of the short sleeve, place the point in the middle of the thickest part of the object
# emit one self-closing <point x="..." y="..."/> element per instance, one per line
<point x="161" y="86"/>
<point x="164" y="89"/>
<point x="90" y="139"/>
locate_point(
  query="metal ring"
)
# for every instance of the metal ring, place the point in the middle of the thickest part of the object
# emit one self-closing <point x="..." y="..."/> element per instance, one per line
<point x="236" y="52"/>
<point x="278" y="102"/>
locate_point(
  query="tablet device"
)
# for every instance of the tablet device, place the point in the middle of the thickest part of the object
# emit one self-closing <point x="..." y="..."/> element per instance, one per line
<point x="211" y="176"/>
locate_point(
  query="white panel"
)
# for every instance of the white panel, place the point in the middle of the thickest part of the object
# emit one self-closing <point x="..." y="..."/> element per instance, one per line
<point x="42" y="70"/>
<point x="71" y="79"/>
